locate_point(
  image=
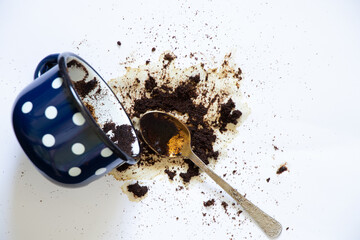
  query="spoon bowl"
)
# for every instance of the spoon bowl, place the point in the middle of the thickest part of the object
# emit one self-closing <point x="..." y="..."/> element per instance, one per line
<point x="167" y="136"/>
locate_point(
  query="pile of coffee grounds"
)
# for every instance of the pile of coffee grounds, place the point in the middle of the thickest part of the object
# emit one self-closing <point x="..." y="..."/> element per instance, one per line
<point x="204" y="99"/>
<point x="282" y="169"/>
<point x="171" y="174"/>
<point x="209" y="203"/>
<point x="137" y="190"/>
<point x="121" y="135"/>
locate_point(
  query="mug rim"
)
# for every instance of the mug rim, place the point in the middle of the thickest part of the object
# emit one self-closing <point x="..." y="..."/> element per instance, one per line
<point x="63" y="71"/>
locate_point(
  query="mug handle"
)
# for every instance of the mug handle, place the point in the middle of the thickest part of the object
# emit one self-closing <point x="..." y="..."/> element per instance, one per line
<point x="46" y="64"/>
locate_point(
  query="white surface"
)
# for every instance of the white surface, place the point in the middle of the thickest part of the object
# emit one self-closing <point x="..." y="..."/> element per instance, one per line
<point x="300" y="61"/>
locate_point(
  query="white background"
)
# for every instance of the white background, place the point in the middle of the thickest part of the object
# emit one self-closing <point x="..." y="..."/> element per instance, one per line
<point x="301" y="62"/>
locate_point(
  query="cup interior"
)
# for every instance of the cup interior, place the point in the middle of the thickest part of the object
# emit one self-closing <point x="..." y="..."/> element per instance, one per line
<point x="103" y="105"/>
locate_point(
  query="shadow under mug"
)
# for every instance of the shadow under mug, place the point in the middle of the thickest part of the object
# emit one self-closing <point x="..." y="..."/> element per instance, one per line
<point x="58" y="132"/>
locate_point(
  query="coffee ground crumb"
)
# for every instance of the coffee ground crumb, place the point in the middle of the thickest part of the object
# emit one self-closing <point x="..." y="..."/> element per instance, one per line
<point x="282" y="169"/>
<point x="171" y="174"/>
<point x="137" y="190"/>
<point x="268" y="179"/>
<point x="118" y="43"/>
<point x="228" y="114"/>
<point x="225" y="205"/>
<point x="192" y="171"/>
<point x="209" y="203"/>
<point x="122" y="136"/>
<point x="168" y="58"/>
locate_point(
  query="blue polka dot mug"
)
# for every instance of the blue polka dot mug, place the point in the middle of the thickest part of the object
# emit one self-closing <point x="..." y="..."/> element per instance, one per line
<point x="70" y="124"/>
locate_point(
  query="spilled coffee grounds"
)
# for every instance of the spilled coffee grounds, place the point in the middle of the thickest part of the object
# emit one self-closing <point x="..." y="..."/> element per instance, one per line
<point x="201" y="98"/>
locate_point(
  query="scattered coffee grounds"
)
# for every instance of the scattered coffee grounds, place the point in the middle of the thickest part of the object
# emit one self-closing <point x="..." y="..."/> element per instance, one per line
<point x="153" y="49"/>
<point x="84" y="88"/>
<point x="268" y="179"/>
<point x="118" y="43"/>
<point x="192" y="171"/>
<point x="275" y="148"/>
<point x="282" y="169"/>
<point x="287" y="228"/>
<point x="225" y="205"/>
<point x="209" y="203"/>
<point x="239" y="212"/>
<point x="121" y="135"/>
<point x="137" y="190"/>
<point x="171" y="174"/>
<point x="228" y="114"/>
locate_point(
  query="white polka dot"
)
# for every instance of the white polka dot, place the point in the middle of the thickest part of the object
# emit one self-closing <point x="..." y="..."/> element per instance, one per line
<point x="26" y="107"/>
<point x="78" y="119"/>
<point x="74" y="171"/>
<point x="78" y="148"/>
<point x="57" y="83"/>
<point x="48" y="140"/>
<point x="100" y="171"/>
<point x="51" y="112"/>
<point x="106" y="152"/>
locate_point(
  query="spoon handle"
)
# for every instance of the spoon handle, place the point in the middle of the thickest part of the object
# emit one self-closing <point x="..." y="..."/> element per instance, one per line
<point x="269" y="225"/>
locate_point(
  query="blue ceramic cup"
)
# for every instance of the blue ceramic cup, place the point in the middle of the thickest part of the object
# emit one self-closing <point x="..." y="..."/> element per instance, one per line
<point x="70" y="124"/>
